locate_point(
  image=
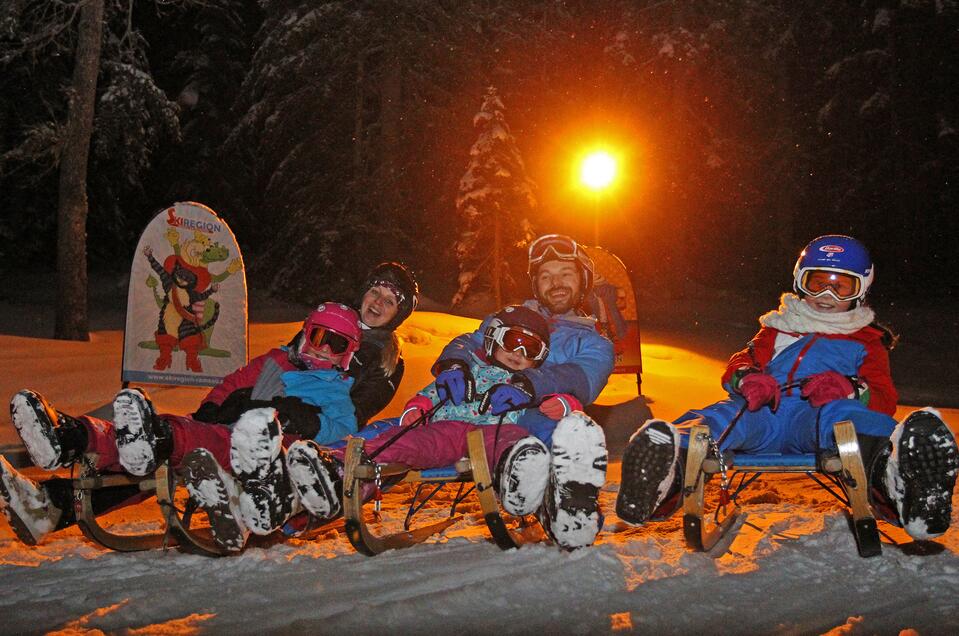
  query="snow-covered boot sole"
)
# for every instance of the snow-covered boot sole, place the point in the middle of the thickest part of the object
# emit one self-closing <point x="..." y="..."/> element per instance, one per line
<point x="266" y="499"/>
<point x="314" y="475"/>
<point x="25" y="505"/>
<point x="34" y="419"/>
<point x="133" y="417"/>
<point x="266" y="504"/>
<point x="650" y="462"/>
<point x="255" y="443"/>
<point x="523" y="476"/>
<point x="921" y="473"/>
<point x="217" y="492"/>
<point x="577" y="473"/>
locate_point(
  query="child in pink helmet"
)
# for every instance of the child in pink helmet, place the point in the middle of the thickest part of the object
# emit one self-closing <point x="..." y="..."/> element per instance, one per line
<point x="516" y="339"/>
<point x="301" y="390"/>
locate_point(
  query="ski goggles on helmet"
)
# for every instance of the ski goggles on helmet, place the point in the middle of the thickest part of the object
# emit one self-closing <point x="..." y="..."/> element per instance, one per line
<point x="393" y="287"/>
<point x="320" y="336"/>
<point x="553" y="246"/>
<point x="838" y="284"/>
<point x="512" y="339"/>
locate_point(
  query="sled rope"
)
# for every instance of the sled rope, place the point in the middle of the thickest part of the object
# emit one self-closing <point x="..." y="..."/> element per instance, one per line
<point x="421" y="420"/>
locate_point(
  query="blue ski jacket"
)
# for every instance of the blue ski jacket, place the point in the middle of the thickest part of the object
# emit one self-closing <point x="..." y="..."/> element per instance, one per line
<point x="796" y="426"/>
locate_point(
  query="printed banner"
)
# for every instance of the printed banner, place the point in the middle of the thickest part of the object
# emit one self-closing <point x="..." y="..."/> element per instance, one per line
<point x="186" y="306"/>
<point x="613" y="303"/>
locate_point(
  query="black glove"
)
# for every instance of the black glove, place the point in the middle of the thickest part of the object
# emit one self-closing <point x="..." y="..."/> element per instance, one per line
<point x="208" y="412"/>
<point x="235" y="405"/>
<point x="297" y="417"/>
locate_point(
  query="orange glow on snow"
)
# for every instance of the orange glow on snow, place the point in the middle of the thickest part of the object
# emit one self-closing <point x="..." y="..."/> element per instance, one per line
<point x="620" y="621"/>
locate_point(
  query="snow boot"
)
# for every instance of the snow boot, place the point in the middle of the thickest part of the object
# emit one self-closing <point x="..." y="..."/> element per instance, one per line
<point x="920" y="473"/>
<point x="256" y="457"/>
<point x="651" y="474"/>
<point x="52" y="439"/>
<point x="875" y="452"/>
<point x="217" y="492"/>
<point x="25" y="504"/>
<point x="521" y="476"/>
<point x="317" y="478"/>
<point x="144" y="439"/>
<point x="571" y="514"/>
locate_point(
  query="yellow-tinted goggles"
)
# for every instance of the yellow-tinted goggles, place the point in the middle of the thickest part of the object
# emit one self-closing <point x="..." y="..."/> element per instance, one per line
<point x="840" y="285"/>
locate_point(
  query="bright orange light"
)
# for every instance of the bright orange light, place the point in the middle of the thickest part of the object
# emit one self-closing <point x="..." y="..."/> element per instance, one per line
<point x="598" y="170"/>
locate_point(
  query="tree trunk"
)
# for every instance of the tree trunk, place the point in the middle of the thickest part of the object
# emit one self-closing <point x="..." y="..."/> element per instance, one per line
<point x="497" y="261"/>
<point x="71" y="315"/>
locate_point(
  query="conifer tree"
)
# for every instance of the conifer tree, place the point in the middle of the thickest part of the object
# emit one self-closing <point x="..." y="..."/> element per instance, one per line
<point x="495" y="200"/>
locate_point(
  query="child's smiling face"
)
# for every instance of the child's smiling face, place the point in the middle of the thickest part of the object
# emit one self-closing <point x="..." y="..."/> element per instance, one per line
<point x="324" y="354"/>
<point x="512" y="360"/>
<point x="826" y="304"/>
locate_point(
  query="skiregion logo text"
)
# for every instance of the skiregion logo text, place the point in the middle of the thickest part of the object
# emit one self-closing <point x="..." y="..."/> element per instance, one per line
<point x="192" y="224"/>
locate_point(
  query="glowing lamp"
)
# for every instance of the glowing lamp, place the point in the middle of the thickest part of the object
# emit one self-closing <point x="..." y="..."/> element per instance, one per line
<point x="598" y="170"/>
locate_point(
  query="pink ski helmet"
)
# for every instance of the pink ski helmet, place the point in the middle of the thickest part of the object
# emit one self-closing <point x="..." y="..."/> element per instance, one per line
<point x="334" y="325"/>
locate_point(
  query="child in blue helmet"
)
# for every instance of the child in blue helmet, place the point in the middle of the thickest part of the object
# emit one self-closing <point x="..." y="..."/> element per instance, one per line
<point x="818" y="359"/>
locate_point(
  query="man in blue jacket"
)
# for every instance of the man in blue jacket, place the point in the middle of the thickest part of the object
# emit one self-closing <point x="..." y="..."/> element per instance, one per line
<point x="579" y="363"/>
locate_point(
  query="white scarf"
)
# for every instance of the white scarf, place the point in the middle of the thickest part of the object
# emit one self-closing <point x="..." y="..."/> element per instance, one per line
<point x="795" y="316"/>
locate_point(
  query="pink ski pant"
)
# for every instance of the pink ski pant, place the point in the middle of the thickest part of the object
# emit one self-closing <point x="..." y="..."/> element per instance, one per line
<point x="188" y="434"/>
<point x="440" y="444"/>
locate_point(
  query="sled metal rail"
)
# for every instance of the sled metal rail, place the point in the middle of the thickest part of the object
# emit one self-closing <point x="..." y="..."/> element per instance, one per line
<point x="844" y="472"/>
<point x="471" y="475"/>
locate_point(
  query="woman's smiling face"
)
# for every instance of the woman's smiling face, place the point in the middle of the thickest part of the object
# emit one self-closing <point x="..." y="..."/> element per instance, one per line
<point x="378" y="307"/>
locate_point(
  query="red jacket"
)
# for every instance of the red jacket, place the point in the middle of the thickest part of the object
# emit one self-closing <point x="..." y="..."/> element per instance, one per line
<point x="861" y="354"/>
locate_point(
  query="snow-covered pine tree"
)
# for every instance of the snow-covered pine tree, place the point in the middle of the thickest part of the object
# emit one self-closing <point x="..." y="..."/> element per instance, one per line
<point x="495" y="200"/>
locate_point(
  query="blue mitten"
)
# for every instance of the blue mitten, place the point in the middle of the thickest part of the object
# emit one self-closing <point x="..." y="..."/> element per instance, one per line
<point x="505" y="397"/>
<point x="456" y="384"/>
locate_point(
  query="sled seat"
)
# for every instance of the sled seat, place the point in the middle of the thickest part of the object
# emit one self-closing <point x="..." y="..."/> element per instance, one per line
<point x="840" y="474"/>
<point x="776" y="463"/>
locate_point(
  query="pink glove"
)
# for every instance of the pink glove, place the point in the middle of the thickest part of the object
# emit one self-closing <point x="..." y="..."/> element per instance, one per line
<point x="415" y="407"/>
<point x="759" y="389"/>
<point x="559" y="405"/>
<point x="825" y="387"/>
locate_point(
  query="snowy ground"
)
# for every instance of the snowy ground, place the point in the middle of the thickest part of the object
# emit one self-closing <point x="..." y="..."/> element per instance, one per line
<point x="792" y="568"/>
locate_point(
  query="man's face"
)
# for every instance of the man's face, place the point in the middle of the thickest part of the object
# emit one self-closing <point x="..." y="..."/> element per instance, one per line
<point x="558" y="285"/>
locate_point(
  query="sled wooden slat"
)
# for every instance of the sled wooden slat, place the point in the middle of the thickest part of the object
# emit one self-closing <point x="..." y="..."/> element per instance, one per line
<point x="700" y="535"/>
<point x="845" y="471"/>
<point x="484" y="489"/>
<point x="95" y="480"/>
<point x="856" y="484"/>
<point x="83" y="488"/>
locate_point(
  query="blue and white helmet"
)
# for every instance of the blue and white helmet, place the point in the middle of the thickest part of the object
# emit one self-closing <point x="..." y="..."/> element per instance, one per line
<point x="843" y="259"/>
